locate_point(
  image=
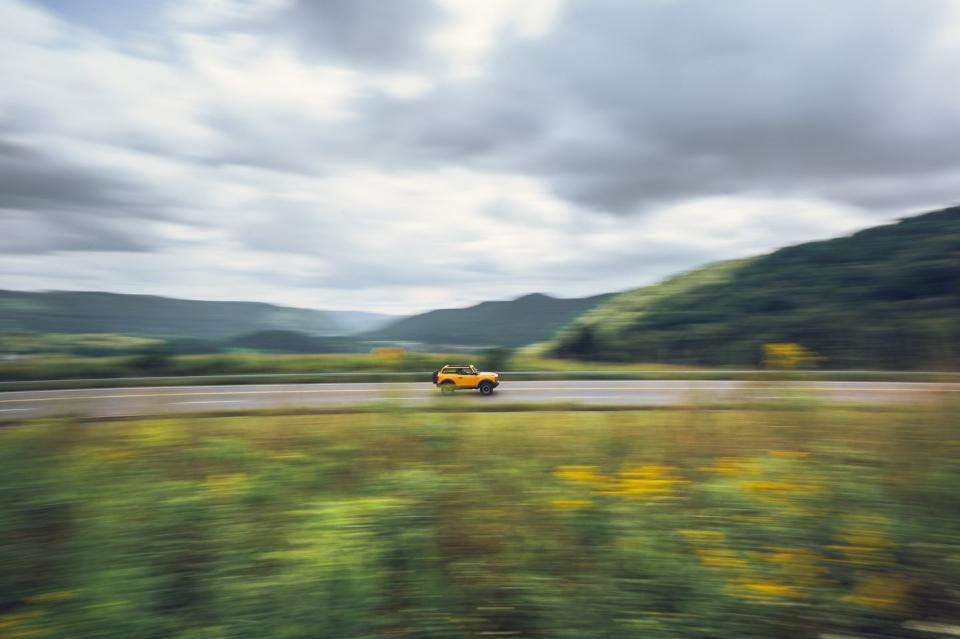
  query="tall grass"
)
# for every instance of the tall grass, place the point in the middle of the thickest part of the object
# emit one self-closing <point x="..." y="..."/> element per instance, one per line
<point x="791" y="521"/>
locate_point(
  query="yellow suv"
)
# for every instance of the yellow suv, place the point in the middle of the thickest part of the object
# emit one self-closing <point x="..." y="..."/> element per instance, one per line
<point x="458" y="376"/>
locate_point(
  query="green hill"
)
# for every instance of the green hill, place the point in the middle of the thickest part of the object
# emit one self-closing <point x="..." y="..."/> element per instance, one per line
<point x="82" y="312"/>
<point x="886" y="297"/>
<point x="516" y="322"/>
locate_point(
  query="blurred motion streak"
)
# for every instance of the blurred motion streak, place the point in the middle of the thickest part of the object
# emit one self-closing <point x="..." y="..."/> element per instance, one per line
<point x="790" y="520"/>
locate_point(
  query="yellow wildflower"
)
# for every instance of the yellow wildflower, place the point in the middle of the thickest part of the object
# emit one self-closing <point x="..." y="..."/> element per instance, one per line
<point x="789" y="356"/>
<point x="570" y="504"/>
<point x="586" y="474"/>
<point x="713" y="558"/>
<point x="788" y="454"/>
<point x="650" y="481"/>
<point x="767" y="589"/>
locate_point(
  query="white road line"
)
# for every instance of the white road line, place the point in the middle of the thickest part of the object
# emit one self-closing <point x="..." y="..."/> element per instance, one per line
<point x="565" y="397"/>
<point x="213" y="401"/>
<point x="10" y="410"/>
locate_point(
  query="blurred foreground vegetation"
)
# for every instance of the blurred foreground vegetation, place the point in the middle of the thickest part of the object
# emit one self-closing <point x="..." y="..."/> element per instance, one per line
<point x="790" y="521"/>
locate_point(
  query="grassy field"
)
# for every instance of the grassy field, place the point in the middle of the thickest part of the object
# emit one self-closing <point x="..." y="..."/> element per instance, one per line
<point x="318" y="367"/>
<point x="49" y="371"/>
<point x="788" y="521"/>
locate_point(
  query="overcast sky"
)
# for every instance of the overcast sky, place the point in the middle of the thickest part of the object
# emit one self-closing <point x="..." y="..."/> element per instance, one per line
<point x="402" y="155"/>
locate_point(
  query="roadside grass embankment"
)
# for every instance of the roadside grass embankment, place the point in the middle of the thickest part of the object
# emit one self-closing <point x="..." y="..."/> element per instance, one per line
<point x="64" y="371"/>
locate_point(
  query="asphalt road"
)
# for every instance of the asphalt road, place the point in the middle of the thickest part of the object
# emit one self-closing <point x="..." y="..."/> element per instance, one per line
<point x="114" y="402"/>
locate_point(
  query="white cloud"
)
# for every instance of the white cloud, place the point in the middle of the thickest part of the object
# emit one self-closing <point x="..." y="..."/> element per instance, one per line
<point x="201" y="14"/>
<point x="475" y="29"/>
<point x="24" y="22"/>
<point x="248" y="75"/>
<point x="230" y="163"/>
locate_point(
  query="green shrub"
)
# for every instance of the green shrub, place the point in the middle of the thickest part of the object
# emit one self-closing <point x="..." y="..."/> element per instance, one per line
<point x="793" y="521"/>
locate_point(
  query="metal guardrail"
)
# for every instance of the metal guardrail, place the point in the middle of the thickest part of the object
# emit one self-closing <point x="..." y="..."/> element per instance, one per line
<point x="168" y="378"/>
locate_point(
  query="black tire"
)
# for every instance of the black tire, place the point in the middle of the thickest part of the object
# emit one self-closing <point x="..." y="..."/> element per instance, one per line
<point x="486" y="388"/>
<point x="447" y="388"/>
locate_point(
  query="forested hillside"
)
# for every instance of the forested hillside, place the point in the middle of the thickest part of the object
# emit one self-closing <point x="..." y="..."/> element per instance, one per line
<point x="886" y="297"/>
<point x="512" y="323"/>
<point x="82" y="312"/>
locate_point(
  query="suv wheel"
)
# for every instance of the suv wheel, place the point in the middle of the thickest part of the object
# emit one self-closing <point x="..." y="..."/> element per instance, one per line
<point x="447" y="388"/>
<point x="486" y="388"/>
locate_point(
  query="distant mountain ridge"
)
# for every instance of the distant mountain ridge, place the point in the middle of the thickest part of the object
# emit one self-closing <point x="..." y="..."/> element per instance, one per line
<point x="885" y="297"/>
<point x="155" y="316"/>
<point x="517" y="322"/>
<point x="353" y="322"/>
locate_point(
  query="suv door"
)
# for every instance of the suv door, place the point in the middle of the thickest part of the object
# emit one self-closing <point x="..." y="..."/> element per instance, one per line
<point x="468" y="378"/>
<point x="456" y="376"/>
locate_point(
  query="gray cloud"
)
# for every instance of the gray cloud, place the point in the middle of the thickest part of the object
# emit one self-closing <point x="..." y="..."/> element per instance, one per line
<point x="365" y="32"/>
<point x="621" y="107"/>
<point x="33" y="181"/>
<point x="48" y="204"/>
<point x="629" y="104"/>
<point x="33" y="233"/>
